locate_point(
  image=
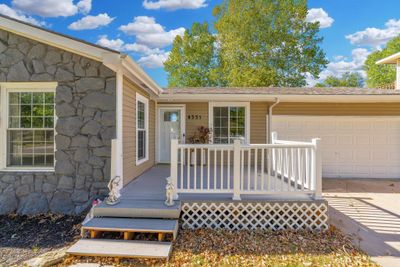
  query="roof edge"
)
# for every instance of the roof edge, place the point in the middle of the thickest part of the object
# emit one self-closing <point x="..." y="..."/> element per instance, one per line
<point x="62" y="41"/>
<point x="393" y="59"/>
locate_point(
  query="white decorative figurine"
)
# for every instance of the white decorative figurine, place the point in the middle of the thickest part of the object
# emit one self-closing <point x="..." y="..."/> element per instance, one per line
<point x="169" y="191"/>
<point x="114" y="195"/>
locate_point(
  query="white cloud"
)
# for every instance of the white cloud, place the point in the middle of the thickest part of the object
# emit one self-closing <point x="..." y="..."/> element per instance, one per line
<point x="115" y="44"/>
<point x="141" y="49"/>
<point x="339" y="67"/>
<point x="320" y="15"/>
<point x="375" y="37"/>
<point x="8" y="11"/>
<point x="174" y="4"/>
<point x="150" y="33"/>
<point x="52" y="8"/>
<point x="84" y="6"/>
<point x="154" y="60"/>
<point x="91" y="22"/>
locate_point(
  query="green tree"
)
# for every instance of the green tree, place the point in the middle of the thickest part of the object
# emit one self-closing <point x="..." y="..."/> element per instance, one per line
<point x="378" y="75"/>
<point x="349" y="79"/>
<point x="267" y="42"/>
<point x="193" y="60"/>
<point x="259" y="43"/>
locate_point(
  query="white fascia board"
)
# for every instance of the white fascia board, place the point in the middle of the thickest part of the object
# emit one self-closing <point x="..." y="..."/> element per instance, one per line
<point x="132" y="67"/>
<point x="282" y="98"/>
<point x="53" y="39"/>
<point x="390" y="59"/>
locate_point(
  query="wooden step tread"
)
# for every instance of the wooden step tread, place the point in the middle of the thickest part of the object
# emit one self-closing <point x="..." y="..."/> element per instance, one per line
<point x="120" y="248"/>
<point x="132" y="225"/>
<point x="139" y="209"/>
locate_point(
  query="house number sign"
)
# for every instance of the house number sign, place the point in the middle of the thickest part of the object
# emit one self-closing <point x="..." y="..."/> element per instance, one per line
<point x="194" y="117"/>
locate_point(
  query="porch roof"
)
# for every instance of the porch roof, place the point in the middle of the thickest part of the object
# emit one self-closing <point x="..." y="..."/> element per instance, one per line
<point x="278" y="91"/>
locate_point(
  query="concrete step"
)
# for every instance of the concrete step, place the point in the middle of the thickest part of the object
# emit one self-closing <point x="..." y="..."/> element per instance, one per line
<point x="121" y="248"/>
<point x="129" y="208"/>
<point x="132" y="225"/>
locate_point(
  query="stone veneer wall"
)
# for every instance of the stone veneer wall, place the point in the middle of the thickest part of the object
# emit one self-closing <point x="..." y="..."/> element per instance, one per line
<point x="85" y="107"/>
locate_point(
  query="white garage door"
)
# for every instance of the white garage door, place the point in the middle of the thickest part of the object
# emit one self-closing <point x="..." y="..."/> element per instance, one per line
<point x="352" y="147"/>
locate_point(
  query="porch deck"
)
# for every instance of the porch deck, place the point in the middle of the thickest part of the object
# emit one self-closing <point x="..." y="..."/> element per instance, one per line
<point x="151" y="186"/>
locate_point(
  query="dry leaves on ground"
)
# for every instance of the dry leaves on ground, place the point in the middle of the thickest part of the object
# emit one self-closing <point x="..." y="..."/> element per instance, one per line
<point x="207" y="247"/>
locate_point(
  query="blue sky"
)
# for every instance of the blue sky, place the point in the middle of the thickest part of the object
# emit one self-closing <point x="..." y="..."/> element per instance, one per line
<point x="145" y="28"/>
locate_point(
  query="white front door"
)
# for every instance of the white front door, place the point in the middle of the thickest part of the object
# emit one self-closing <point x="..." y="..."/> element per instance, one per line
<point x="170" y="126"/>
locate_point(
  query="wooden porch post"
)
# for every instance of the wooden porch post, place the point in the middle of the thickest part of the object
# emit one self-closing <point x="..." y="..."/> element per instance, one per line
<point x="317" y="168"/>
<point x="236" y="170"/>
<point x="174" y="166"/>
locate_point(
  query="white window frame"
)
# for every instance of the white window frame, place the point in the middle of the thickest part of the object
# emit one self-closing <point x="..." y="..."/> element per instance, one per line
<point x="145" y="101"/>
<point x="246" y="105"/>
<point x="5" y="89"/>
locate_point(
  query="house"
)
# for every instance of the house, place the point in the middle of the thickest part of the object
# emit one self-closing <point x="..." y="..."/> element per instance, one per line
<point x="393" y="60"/>
<point x="75" y="114"/>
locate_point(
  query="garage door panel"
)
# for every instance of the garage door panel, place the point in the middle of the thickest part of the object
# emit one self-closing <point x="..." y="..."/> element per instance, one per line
<point x="353" y="147"/>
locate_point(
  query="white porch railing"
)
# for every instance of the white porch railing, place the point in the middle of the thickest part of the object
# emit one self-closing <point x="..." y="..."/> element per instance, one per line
<point x="283" y="167"/>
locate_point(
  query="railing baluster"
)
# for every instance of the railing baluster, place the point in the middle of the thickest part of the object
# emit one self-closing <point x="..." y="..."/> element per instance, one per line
<point x="222" y="169"/>
<point x="242" y="169"/>
<point x="229" y="169"/>
<point x="248" y="168"/>
<point x="182" y="163"/>
<point x="201" y="168"/>
<point x="290" y="173"/>
<point x="188" y="168"/>
<point x="255" y="168"/>
<point x="215" y="168"/>
<point x="195" y="169"/>
<point x="208" y="168"/>
<point x="262" y="169"/>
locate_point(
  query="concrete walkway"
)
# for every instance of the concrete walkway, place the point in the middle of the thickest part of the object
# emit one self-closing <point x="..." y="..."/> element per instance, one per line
<point x="369" y="211"/>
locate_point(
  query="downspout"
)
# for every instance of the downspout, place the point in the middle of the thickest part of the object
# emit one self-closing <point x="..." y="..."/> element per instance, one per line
<point x="270" y="119"/>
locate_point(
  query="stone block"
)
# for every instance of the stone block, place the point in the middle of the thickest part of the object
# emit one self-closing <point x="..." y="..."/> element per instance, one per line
<point x="22" y="190"/>
<point x="69" y="126"/>
<point x="91" y="127"/>
<point x="27" y="179"/>
<point x="88" y="84"/>
<point x="18" y="73"/>
<point x="64" y="167"/>
<point x="81" y="155"/>
<point x="66" y="182"/>
<point x="8" y="202"/>
<point x="61" y="203"/>
<point x="37" y="52"/>
<point x="64" y="94"/>
<point x="34" y="203"/>
<point x="65" y="110"/>
<point x="62" y="141"/>
<point x="99" y="101"/>
<point x="52" y="57"/>
<point x="79" y="141"/>
<point x="80" y="196"/>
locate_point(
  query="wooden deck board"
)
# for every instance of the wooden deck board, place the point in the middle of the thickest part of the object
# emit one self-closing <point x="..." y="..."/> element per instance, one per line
<point x="121" y="248"/>
<point x="131" y="225"/>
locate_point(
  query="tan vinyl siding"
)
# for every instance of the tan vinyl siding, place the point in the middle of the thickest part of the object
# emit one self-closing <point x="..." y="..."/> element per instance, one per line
<point x="131" y="171"/>
<point x="338" y="109"/>
<point x="258" y="122"/>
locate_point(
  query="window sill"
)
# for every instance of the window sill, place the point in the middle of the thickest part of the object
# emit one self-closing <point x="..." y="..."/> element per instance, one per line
<point x="27" y="169"/>
<point x="141" y="161"/>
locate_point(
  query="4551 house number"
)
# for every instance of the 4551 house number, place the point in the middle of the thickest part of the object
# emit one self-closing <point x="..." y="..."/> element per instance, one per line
<point x="194" y="117"/>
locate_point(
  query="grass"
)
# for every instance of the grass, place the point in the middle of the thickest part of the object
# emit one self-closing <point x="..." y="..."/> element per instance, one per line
<point x="253" y="248"/>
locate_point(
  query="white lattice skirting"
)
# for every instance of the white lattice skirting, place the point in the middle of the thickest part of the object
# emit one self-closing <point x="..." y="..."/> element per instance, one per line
<point x="310" y="215"/>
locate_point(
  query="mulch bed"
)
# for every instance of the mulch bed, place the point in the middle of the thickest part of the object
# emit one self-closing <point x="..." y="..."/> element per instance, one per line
<point x="24" y="237"/>
<point x="252" y="248"/>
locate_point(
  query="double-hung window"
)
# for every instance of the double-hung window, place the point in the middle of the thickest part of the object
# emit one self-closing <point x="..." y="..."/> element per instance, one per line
<point x="229" y="122"/>
<point x="142" y="128"/>
<point x="29" y="125"/>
